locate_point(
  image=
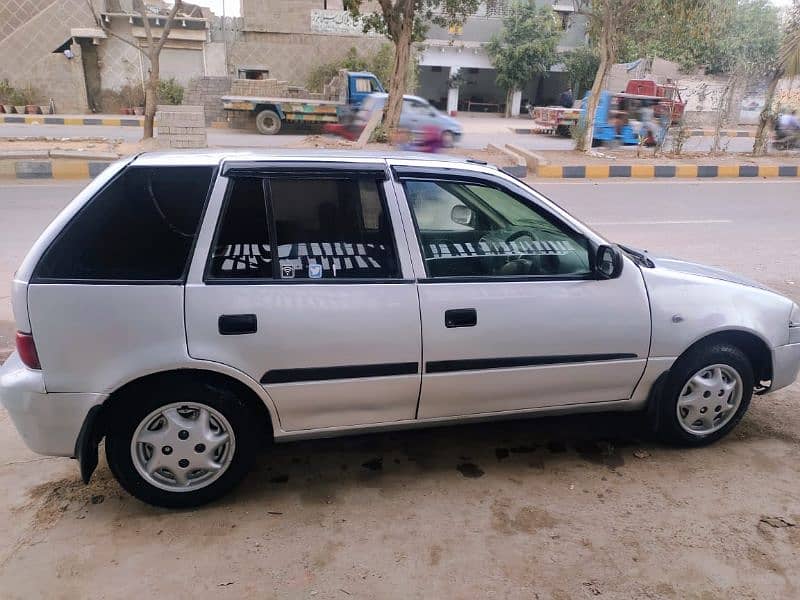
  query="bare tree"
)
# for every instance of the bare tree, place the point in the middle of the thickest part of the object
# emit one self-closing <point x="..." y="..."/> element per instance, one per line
<point x="151" y="50"/>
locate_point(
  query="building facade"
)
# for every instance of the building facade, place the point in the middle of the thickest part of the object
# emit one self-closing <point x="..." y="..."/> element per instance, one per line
<point x="56" y="49"/>
<point x="459" y="54"/>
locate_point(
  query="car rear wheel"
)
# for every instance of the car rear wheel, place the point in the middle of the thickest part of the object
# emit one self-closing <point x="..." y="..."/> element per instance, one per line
<point x="268" y="122"/>
<point x="180" y="447"/>
<point x="448" y="139"/>
<point x="705" y="395"/>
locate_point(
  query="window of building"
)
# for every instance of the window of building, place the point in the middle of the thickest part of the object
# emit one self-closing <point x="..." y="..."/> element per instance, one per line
<point x="473" y="230"/>
<point x="252" y="73"/>
<point x="140" y="227"/>
<point x="332" y="229"/>
<point x="241" y="249"/>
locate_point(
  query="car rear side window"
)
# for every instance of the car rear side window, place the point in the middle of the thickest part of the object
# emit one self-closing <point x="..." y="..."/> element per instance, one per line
<point x="140" y="227"/>
<point x="241" y="249"/>
<point x="331" y="229"/>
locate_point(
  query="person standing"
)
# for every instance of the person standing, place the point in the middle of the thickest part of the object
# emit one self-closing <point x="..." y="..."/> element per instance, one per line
<point x="566" y="99"/>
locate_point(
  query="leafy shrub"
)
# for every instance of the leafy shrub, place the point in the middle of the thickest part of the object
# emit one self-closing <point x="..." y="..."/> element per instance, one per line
<point x="381" y="64"/>
<point x="6" y="89"/>
<point x="132" y="95"/>
<point x="169" y="91"/>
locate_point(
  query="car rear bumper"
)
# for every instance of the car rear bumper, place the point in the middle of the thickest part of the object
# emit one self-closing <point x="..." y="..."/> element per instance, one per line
<point x="786" y="365"/>
<point x="48" y="423"/>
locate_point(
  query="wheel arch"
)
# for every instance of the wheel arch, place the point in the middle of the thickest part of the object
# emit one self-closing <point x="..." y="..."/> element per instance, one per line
<point x="96" y="424"/>
<point x="754" y="347"/>
<point x="261" y="106"/>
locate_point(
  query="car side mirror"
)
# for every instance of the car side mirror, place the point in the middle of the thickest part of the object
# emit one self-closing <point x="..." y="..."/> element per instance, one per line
<point x="461" y="214"/>
<point x="608" y="262"/>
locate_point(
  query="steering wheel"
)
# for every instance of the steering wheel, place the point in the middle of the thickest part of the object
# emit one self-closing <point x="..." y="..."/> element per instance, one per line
<point x="533" y="264"/>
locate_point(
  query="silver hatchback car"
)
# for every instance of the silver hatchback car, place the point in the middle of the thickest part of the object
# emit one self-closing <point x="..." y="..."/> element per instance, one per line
<point x="188" y="307"/>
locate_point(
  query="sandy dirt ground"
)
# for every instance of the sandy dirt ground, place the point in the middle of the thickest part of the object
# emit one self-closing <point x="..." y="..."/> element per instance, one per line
<point x="549" y="509"/>
<point x="22" y="143"/>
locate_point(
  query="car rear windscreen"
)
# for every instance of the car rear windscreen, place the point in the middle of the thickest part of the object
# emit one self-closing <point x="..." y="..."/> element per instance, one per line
<point x="140" y="227"/>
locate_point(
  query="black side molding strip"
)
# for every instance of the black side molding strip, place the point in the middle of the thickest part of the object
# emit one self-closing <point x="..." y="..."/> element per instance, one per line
<point x="348" y="372"/>
<point x="478" y="364"/>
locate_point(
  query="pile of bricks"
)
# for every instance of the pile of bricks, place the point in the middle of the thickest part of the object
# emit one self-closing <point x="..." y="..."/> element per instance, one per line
<point x="260" y="87"/>
<point x="209" y="91"/>
<point x="181" y="126"/>
<point x="271" y="88"/>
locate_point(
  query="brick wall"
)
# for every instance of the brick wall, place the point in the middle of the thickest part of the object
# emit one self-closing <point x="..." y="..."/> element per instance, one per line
<point x="292" y="57"/>
<point x="29" y="32"/>
<point x="207" y="92"/>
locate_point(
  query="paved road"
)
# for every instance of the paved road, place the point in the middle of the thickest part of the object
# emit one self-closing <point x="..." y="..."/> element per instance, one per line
<point x="577" y="507"/>
<point x="476" y="136"/>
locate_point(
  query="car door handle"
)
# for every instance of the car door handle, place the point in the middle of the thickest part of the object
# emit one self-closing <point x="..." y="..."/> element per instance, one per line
<point x="460" y="317"/>
<point x="237" y="324"/>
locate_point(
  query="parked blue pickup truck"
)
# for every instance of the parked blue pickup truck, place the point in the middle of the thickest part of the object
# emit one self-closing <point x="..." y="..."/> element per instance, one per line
<point x="337" y="103"/>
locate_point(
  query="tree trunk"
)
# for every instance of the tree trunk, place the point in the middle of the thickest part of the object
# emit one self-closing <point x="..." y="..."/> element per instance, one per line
<point x="150" y="90"/>
<point x="509" y="100"/>
<point x="402" y="56"/>
<point x="723" y="108"/>
<point x="607" y="56"/>
<point x="766" y="117"/>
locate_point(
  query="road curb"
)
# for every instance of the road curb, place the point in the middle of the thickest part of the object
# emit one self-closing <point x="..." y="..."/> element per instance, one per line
<point x="125" y="121"/>
<point x="52" y="168"/>
<point x="643" y="171"/>
<point x="520" y="166"/>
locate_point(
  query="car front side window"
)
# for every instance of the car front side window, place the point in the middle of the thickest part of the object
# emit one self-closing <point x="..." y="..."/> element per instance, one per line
<point x="470" y="229"/>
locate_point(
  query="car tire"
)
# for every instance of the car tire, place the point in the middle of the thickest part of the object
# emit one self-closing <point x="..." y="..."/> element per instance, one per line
<point x="705" y="395"/>
<point x="186" y="422"/>
<point x="268" y="122"/>
<point x="448" y="139"/>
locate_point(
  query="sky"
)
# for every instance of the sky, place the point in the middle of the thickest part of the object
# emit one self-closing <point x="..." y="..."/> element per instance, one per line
<point x="231" y="6"/>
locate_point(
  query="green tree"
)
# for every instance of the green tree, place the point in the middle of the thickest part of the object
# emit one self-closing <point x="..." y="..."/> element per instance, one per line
<point x="524" y="48"/>
<point x="608" y="22"/>
<point x="380" y="64"/>
<point x="320" y="75"/>
<point x="787" y="65"/>
<point x="685" y="34"/>
<point x="747" y="50"/>
<point x="581" y="64"/>
<point x="403" y="22"/>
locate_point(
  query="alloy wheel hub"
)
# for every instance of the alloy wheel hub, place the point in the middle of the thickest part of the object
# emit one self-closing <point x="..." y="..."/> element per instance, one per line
<point x="183" y="446"/>
<point x="709" y="399"/>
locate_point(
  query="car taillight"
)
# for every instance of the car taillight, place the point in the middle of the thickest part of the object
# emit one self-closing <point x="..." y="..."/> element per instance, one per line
<point x="26" y="348"/>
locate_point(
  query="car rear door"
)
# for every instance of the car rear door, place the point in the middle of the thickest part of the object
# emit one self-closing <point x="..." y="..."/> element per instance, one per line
<point x="512" y="317"/>
<point x="307" y="289"/>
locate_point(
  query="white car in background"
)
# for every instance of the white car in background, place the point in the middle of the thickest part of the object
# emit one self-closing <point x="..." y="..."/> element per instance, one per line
<point x="189" y="307"/>
<point x="417" y="116"/>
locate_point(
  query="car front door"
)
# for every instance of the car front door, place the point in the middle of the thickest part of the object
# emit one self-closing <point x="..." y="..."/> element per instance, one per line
<point x="513" y="317"/>
<point x="304" y="290"/>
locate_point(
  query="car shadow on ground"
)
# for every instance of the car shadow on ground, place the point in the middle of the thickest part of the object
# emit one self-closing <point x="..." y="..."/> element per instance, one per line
<point x="317" y="470"/>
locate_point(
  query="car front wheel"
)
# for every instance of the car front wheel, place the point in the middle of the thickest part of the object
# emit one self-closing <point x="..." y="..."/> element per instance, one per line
<point x="706" y="394"/>
<point x="448" y="139"/>
<point x="180" y="447"/>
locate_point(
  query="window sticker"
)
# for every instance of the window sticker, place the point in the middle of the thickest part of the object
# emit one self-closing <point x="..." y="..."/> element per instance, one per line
<point x="287" y="271"/>
<point x="314" y="271"/>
